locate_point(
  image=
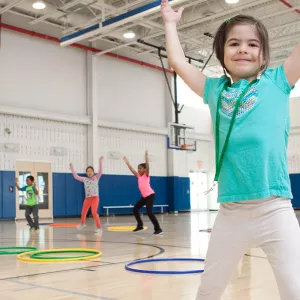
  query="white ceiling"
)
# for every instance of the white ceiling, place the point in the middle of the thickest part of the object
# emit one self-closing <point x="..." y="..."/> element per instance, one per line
<point x="63" y="17"/>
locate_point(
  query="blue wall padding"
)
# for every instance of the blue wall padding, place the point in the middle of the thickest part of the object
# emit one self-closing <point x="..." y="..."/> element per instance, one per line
<point x="119" y="190"/>
<point x="7" y="198"/>
<point x="295" y="183"/>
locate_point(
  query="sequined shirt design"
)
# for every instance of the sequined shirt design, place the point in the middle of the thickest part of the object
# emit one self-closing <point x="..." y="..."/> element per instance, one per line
<point x="231" y="95"/>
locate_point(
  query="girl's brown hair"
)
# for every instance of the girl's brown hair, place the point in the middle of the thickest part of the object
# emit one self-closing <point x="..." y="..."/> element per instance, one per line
<point x="89" y="167"/>
<point x="222" y="33"/>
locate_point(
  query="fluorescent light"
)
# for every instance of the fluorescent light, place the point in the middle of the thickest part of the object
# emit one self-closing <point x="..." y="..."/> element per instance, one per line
<point x="39" y="5"/>
<point x="129" y="35"/>
<point x="232" y="1"/>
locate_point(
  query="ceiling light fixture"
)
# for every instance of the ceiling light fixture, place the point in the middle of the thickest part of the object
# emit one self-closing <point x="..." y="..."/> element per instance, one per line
<point x="129" y="35"/>
<point x="39" y="5"/>
<point x="232" y="1"/>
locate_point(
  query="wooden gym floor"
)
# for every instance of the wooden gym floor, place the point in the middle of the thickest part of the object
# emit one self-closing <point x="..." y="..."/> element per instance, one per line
<point x="105" y="278"/>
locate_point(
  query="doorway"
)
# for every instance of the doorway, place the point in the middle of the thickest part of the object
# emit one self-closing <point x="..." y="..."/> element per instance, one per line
<point x="198" y="185"/>
<point x="42" y="173"/>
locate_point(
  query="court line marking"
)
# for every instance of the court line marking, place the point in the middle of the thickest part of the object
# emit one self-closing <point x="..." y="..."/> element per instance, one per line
<point x="24" y="289"/>
<point x="51" y="272"/>
<point x="34" y="285"/>
<point x="154" y="245"/>
<point x="256" y="256"/>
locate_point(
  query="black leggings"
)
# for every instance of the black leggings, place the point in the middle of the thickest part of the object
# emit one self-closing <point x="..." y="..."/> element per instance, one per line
<point x="148" y="201"/>
<point x="35" y="211"/>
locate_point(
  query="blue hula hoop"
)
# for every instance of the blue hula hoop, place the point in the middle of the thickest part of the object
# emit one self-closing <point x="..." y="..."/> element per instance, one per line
<point x="128" y="268"/>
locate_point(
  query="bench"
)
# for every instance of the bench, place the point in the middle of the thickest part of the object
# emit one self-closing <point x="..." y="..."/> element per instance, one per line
<point x="131" y="206"/>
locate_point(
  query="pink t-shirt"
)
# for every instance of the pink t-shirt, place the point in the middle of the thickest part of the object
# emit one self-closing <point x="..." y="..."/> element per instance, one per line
<point x="144" y="185"/>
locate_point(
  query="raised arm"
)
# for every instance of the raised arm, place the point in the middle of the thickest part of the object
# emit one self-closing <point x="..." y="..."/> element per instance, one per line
<point x="189" y="73"/>
<point x="76" y="176"/>
<point x="147" y="163"/>
<point x="35" y="189"/>
<point x="100" y="167"/>
<point x="292" y="66"/>
<point x="17" y="184"/>
<point x="133" y="171"/>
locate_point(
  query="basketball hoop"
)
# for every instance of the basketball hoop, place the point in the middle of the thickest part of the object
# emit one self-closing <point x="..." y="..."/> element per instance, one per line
<point x="188" y="147"/>
<point x="181" y="137"/>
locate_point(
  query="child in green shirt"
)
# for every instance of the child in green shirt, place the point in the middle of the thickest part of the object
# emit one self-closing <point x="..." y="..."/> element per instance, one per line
<point x="31" y="203"/>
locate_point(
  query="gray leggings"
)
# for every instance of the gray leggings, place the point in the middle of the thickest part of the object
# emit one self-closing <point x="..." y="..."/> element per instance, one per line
<point x="35" y="211"/>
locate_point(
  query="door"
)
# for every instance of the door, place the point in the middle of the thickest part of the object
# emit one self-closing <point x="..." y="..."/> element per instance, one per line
<point x="42" y="173"/>
<point x="198" y="185"/>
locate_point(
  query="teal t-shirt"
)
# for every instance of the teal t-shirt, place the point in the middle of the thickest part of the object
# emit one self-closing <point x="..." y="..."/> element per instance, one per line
<point x="30" y="195"/>
<point x="255" y="163"/>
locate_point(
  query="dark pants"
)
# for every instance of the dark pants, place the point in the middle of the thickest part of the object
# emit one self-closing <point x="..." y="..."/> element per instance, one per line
<point x="35" y="211"/>
<point x="148" y="201"/>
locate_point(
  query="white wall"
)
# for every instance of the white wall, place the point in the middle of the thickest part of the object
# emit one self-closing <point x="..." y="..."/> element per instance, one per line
<point x="132" y="145"/>
<point x="294" y="153"/>
<point x="41" y="75"/>
<point x="130" y="93"/>
<point x="195" y="112"/>
<point x="294" y="112"/>
<point x="34" y="139"/>
<point x="202" y="154"/>
<point x="198" y="118"/>
<point x="294" y="140"/>
<point x="38" y="75"/>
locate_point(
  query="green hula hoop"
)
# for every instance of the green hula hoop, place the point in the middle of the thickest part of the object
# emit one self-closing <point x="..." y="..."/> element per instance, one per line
<point x="42" y="255"/>
<point x="3" y="250"/>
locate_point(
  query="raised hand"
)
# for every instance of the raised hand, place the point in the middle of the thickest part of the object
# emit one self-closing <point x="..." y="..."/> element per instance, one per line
<point x="16" y="180"/>
<point x="71" y="165"/>
<point x="169" y="15"/>
<point x="101" y="158"/>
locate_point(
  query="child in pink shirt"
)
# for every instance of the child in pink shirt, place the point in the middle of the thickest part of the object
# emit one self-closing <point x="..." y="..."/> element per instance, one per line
<point x="148" y="195"/>
<point x="91" y="194"/>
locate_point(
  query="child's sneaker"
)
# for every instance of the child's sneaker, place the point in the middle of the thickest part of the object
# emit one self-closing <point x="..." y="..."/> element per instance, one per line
<point x="158" y="232"/>
<point x="138" y="228"/>
<point x="81" y="226"/>
<point x="99" y="230"/>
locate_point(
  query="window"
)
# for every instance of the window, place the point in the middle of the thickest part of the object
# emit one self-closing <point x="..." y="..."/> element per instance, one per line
<point x="187" y="97"/>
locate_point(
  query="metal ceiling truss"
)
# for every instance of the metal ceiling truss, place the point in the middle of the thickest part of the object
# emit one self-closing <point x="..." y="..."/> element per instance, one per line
<point x="201" y="17"/>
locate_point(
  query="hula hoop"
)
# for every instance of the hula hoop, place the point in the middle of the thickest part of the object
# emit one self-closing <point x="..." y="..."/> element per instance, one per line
<point x="40" y="255"/>
<point x="96" y="253"/>
<point x="63" y="225"/>
<point x="123" y="228"/>
<point x="128" y="268"/>
<point x="26" y="249"/>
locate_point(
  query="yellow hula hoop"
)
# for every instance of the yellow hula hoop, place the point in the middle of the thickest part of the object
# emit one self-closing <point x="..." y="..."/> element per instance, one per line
<point x="123" y="228"/>
<point x="22" y="257"/>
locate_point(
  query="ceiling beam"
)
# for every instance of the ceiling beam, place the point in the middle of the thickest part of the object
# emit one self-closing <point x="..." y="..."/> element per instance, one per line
<point x="48" y="15"/>
<point x="96" y="19"/>
<point x="9" y="6"/>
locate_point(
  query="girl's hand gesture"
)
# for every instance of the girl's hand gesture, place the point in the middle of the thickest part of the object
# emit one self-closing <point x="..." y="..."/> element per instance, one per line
<point x="169" y="15"/>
